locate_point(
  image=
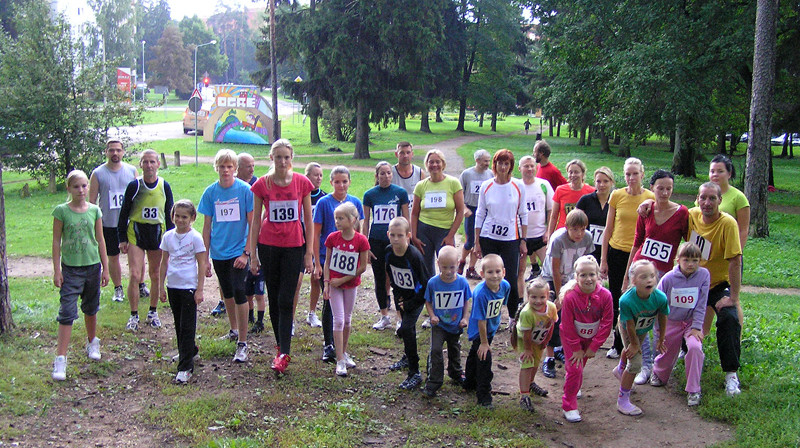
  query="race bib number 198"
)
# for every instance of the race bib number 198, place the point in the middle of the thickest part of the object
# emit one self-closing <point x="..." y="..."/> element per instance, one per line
<point x="435" y="199"/>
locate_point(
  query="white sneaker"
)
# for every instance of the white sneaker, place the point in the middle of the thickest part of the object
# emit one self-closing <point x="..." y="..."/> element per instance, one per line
<point x="183" y="377"/>
<point x="60" y="368"/>
<point x="119" y="294"/>
<point x="177" y="358"/>
<point x="580" y="393"/>
<point x="693" y="399"/>
<point x="349" y="361"/>
<point x="133" y="323"/>
<point x="732" y="385"/>
<point x="426" y="323"/>
<point x="643" y="376"/>
<point x="93" y="349"/>
<point x="341" y="368"/>
<point x="241" y="352"/>
<point x="572" y="416"/>
<point x="313" y="321"/>
<point x="656" y="381"/>
<point x="612" y="353"/>
<point x="681" y="354"/>
<point x="383" y="323"/>
<point x="153" y="320"/>
<point x="292" y="329"/>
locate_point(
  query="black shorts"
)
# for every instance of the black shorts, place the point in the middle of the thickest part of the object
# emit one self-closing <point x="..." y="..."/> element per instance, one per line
<point x="231" y="280"/>
<point x="718" y="293"/>
<point x="145" y="236"/>
<point x="111" y="237"/>
<point x="535" y="244"/>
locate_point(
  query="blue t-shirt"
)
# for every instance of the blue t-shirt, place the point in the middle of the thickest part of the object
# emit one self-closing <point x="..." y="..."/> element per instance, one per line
<point x="228" y="209"/>
<point x="643" y="312"/>
<point x="447" y="300"/>
<point x="385" y="204"/>
<point x="486" y="305"/>
<point x="323" y="214"/>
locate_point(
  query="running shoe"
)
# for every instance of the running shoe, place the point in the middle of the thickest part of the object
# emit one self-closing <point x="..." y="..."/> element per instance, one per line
<point x="656" y="381"/>
<point x="461" y="265"/>
<point x="643" y="376"/>
<point x="558" y="353"/>
<point x="183" y="377"/>
<point x="472" y="274"/>
<point x="119" y="294"/>
<point x="397" y="330"/>
<point x="241" y="352"/>
<point x="400" y="365"/>
<point x="617" y="372"/>
<point x="693" y="399"/>
<point x="218" y="310"/>
<point x="281" y="362"/>
<point x="428" y="393"/>
<point x="732" y="386"/>
<point x="133" y="323"/>
<point x="426" y="323"/>
<point x="538" y="390"/>
<point x="257" y="327"/>
<point x="349" y="361"/>
<point x="143" y="291"/>
<point x="612" y="353"/>
<point x="549" y="368"/>
<point x="572" y="416"/>
<point x="232" y="335"/>
<point x="177" y="358"/>
<point x="312" y="320"/>
<point x="60" y="368"/>
<point x="341" y="368"/>
<point x="412" y="382"/>
<point x="628" y="408"/>
<point x="525" y="403"/>
<point x="153" y="320"/>
<point x="93" y="349"/>
<point x="383" y="323"/>
<point x="329" y="354"/>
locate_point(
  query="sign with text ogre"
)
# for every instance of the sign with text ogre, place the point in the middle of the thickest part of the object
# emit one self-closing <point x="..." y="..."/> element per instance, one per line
<point x="239" y="114"/>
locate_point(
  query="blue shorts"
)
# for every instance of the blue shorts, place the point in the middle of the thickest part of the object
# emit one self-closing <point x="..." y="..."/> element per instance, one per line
<point x="254" y="284"/>
<point x="83" y="282"/>
<point x="469" y="228"/>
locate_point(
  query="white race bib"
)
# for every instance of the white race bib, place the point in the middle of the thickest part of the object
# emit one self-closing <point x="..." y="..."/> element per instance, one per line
<point x="587" y="330"/>
<point x="643" y="322"/>
<point x="402" y="277"/>
<point x="530" y="206"/>
<point x="344" y="262"/>
<point x="475" y="186"/>
<point x="493" y="308"/>
<point x="227" y="212"/>
<point x="538" y="335"/>
<point x="283" y="211"/>
<point x="435" y="199"/>
<point x="448" y="300"/>
<point x="597" y="234"/>
<point x="656" y="250"/>
<point x="702" y="243"/>
<point x="115" y="199"/>
<point x="382" y="214"/>
<point x="500" y="230"/>
<point x="683" y="297"/>
<point x="150" y="213"/>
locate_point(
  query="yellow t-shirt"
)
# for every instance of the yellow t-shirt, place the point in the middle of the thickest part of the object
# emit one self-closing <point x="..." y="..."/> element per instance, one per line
<point x="625" y="206"/>
<point x="540" y="324"/>
<point x="718" y="241"/>
<point x="437" y="202"/>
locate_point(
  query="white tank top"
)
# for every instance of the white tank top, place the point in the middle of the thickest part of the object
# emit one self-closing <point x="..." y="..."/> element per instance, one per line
<point x="111" y="190"/>
<point x="408" y="183"/>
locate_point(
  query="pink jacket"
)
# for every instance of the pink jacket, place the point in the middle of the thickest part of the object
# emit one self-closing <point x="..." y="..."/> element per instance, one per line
<point x="586" y="316"/>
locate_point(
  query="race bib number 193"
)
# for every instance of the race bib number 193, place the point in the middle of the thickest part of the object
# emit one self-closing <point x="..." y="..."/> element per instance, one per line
<point x="402" y="277"/>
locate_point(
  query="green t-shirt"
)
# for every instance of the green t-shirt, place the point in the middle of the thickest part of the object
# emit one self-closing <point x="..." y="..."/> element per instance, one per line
<point x="79" y="246"/>
<point x="732" y="201"/>
<point x="437" y="202"/>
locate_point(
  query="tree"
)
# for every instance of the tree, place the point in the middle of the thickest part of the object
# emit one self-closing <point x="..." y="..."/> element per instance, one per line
<point x="210" y="60"/>
<point x="173" y="64"/>
<point x="236" y="42"/>
<point x="155" y="17"/>
<point x="114" y="35"/>
<point x="50" y="109"/>
<point x="759" y="151"/>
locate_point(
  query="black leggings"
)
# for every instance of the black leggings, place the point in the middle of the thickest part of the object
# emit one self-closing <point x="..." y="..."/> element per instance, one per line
<point x="231" y="280"/>
<point x="281" y="266"/>
<point x="378" y="248"/>
<point x="509" y="252"/>
<point x="617" y="262"/>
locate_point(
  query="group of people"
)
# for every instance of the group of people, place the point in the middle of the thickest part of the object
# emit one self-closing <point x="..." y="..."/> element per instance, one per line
<point x="263" y="230"/>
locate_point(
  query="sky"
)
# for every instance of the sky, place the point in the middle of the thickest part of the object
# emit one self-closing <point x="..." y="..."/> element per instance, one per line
<point x="205" y="8"/>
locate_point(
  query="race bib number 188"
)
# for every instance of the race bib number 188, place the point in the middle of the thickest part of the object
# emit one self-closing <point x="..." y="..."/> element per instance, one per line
<point x="344" y="262"/>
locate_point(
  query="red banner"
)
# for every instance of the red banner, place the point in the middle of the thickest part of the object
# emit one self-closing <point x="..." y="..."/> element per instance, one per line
<point x="124" y="79"/>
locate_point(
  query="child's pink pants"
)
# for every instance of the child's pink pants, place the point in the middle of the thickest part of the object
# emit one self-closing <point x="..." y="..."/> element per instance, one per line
<point x="677" y="331"/>
<point x="574" y="377"/>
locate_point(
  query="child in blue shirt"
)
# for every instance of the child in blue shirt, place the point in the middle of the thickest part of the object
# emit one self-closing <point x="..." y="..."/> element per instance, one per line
<point x="488" y="298"/>
<point x="447" y="299"/>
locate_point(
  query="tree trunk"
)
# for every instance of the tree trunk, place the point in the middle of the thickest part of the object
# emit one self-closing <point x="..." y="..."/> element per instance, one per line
<point x="6" y="320"/>
<point x="616" y="138"/>
<point x="551" y="126"/>
<point x="734" y="143"/>
<point x="604" y="146"/>
<point x="462" y="102"/>
<point x="362" y="130"/>
<point x="758" y="145"/>
<point x="401" y="122"/>
<point x="480" y="121"/>
<point x="683" y="160"/>
<point x="558" y="128"/>
<point x="589" y="136"/>
<point x="785" y="148"/>
<point x="582" y="139"/>
<point x="721" y="142"/>
<point x="625" y="147"/>
<point x="314" y="111"/>
<point x="424" y="124"/>
<point x="273" y="66"/>
<point x="494" y="120"/>
<point x="438" y="116"/>
<point x="672" y="142"/>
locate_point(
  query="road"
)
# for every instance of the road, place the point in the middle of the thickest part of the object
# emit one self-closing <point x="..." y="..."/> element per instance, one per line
<point x="166" y="131"/>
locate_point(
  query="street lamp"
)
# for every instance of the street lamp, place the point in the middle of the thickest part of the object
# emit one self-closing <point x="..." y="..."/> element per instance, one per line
<point x="196" y="158"/>
<point x="144" y="78"/>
